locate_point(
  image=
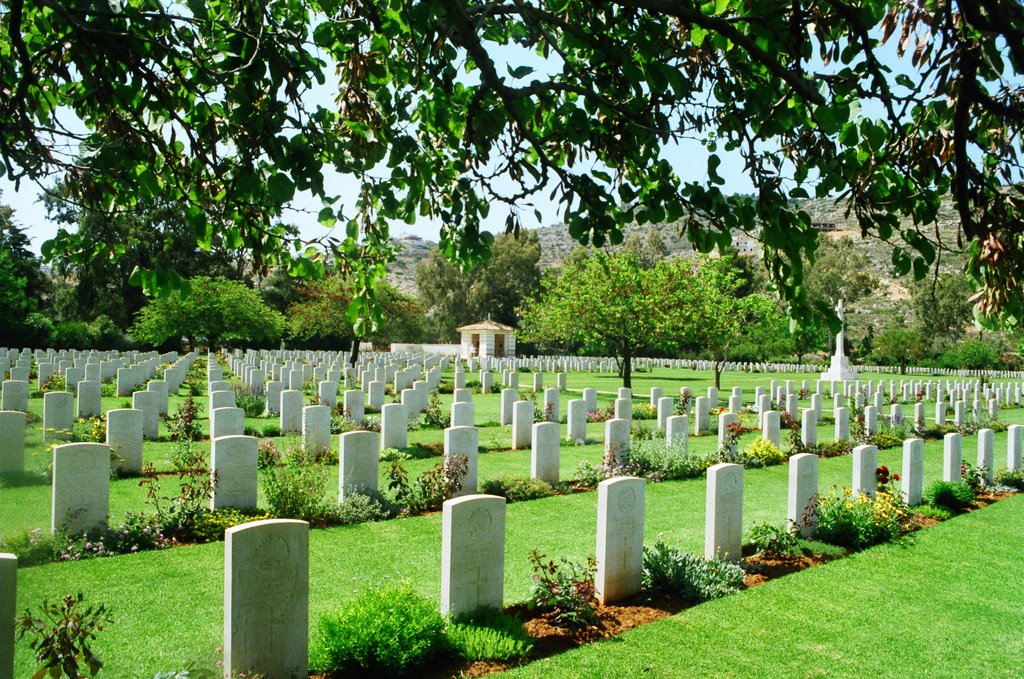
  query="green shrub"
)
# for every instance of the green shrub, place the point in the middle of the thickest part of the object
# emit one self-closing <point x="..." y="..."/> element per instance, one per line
<point x="62" y="636"/>
<point x="210" y="526"/>
<point x="490" y="635"/>
<point x="1013" y="479"/>
<point x="955" y="496"/>
<point x="762" y="453"/>
<point x="773" y="541"/>
<point x="667" y="570"/>
<point x="252" y="404"/>
<point x="389" y="630"/>
<point x="938" y="513"/>
<point x="32" y="547"/>
<point x="297" y="491"/>
<point x="363" y="508"/>
<point x="655" y="461"/>
<point x="832" y="448"/>
<point x="884" y="440"/>
<point x="566" y="589"/>
<point x="267" y="454"/>
<point x="859" y="522"/>
<point x="270" y="430"/>
<point x="517" y="488"/>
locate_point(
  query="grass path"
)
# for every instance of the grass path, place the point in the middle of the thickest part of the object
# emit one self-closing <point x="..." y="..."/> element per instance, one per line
<point x="946" y="604"/>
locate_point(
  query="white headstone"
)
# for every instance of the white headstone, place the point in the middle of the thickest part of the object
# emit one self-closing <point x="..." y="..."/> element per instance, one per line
<point x="522" y="424"/>
<point x="227" y="422"/>
<point x="472" y="555"/>
<point x="912" y="479"/>
<point x="8" y="608"/>
<point x="234" y="460"/>
<point x="90" y="399"/>
<point x="616" y="440"/>
<point x="544" y="452"/>
<point x="723" y="522"/>
<point x="15" y="396"/>
<point x="809" y="427"/>
<point x="464" y="441"/>
<point x="266" y="599"/>
<point x="58" y="415"/>
<point x="620" y="538"/>
<point x="842" y="416"/>
<point x="80" y="499"/>
<point x="770" y="427"/>
<point x="354" y="405"/>
<point x="1014" y="446"/>
<point x="291" y="411"/>
<point x="952" y="457"/>
<point x="986" y="452"/>
<point x="508" y="398"/>
<point x="148" y="403"/>
<point x="803" y="485"/>
<point x="124" y="438"/>
<point x="357" y="463"/>
<point x="865" y="462"/>
<point x="316" y="429"/>
<point x="12" y="442"/>
<point x="576" y="422"/>
<point x="394" y="426"/>
<point x="677" y="431"/>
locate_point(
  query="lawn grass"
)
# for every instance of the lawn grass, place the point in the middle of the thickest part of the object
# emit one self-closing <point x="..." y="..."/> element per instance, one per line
<point x="945" y="603"/>
<point x="167" y="605"/>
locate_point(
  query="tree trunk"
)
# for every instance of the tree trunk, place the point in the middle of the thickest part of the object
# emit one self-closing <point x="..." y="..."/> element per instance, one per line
<point x="355" y="352"/>
<point x="627" y="370"/>
<point x="718" y="377"/>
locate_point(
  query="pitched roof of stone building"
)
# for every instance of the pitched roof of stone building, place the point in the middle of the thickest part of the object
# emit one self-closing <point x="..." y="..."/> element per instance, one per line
<point x="487" y="325"/>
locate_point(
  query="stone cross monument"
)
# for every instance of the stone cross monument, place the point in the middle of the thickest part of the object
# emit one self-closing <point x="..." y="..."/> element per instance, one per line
<point x="840" y="369"/>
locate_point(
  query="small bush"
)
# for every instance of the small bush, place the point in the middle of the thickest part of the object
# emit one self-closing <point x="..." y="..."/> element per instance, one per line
<point x="832" y="448"/>
<point x="773" y="541"/>
<point x="210" y="526"/>
<point x="362" y="508"/>
<point x="297" y="491"/>
<point x="565" y="589"/>
<point x="62" y="637"/>
<point x="252" y="404"/>
<point x="490" y="635"/>
<point x="517" y="488"/>
<point x="862" y="521"/>
<point x="955" y="496"/>
<point x="645" y="411"/>
<point x="393" y="455"/>
<point x="1013" y="479"/>
<point x="267" y="454"/>
<point x="762" y="453"/>
<point x="184" y="423"/>
<point x="929" y="512"/>
<point x="32" y="547"/>
<point x="975" y="477"/>
<point x="884" y="440"/>
<point x="668" y="570"/>
<point x="270" y="430"/>
<point x="388" y="630"/>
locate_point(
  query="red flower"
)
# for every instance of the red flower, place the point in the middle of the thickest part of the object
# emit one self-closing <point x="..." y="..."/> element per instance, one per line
<point x="895" y="477"/>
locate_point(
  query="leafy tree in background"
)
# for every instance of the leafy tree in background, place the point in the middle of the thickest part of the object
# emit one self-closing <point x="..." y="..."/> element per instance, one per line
<point x="319" y="318"/>
<point x="710" y="316"/>
<point x="209" y="105"/>
<point x="152" y="235"/>
<point x="900" y="346"/>
<point x="942" y="307"/>
<point x="840" y="271"/>
<point x="648" y="250"/>
<point x="218" y="311"/>
<point x="604" y="305"/>
<point x="495" y="289"/>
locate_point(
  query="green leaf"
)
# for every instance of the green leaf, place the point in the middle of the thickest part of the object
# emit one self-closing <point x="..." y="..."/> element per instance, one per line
<point x="281" y="188"/>
<point x="327" y="217"/>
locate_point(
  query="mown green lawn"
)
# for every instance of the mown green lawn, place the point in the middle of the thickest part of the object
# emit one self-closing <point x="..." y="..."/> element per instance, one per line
<point x="168" y="609"/>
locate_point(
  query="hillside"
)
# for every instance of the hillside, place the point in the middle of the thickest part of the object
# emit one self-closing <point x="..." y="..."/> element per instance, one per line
<point x="875" y="310"/>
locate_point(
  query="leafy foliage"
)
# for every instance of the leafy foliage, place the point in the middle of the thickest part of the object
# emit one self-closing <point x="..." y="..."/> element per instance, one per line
<point x="668" y="570"/>
<point x="217" y="311"/>
<point x="566" y="589"/>
<point x="955" y="496"/>
<point x="62" y="638"/>
<point x="389" y="630"/>
<point x="517" y="488"/>
<point x="489" y="635"/>
<point x="773" y="541"/>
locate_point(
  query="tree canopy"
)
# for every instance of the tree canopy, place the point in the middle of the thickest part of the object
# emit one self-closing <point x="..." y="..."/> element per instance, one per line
<point x="217" y="312"/>
<point x="451" y="108"/>
<point x="495" y="289"/>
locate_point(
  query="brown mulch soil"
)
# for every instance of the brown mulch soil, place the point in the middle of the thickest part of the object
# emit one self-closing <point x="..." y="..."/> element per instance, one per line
<point x="769" y="568"/>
